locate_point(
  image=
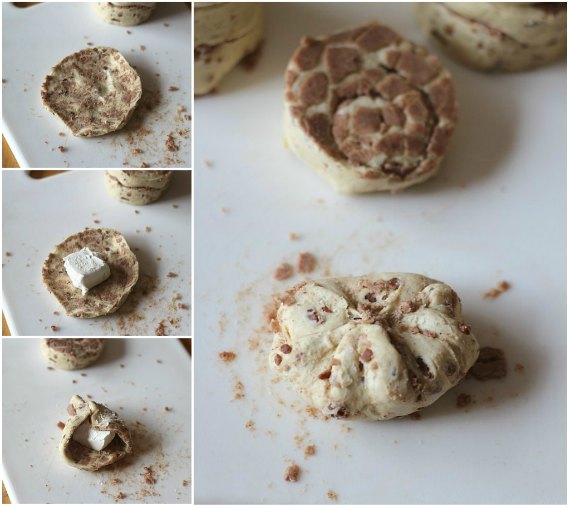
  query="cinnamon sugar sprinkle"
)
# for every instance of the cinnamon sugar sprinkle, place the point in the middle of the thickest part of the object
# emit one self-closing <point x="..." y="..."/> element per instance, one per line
<point x="501" y="287"/>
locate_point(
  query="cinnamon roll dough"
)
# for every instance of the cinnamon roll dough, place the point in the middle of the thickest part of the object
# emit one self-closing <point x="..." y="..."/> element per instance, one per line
<point x="374" y="347"/>
<point x="497" y="36"/>
<point x="124" y="13"/>
<point x="137" y="187"/>
<point x="104" y="298"/>
<point x="72" y="353"/>
<point x="224" y="33"/>
<point x="100" y="418"/>
<point x="368" y="110"/>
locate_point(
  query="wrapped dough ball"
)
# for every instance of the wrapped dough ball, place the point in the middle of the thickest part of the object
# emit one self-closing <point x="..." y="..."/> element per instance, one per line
<point x="368" y="110"/>
<point x="93" y="436"/>
<point x="497" y="36"/>
<point x="374" y="347"/>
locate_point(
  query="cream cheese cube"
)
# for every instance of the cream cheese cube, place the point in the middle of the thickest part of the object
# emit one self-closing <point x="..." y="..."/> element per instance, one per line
<point x="86" y="269"/>
<point x="92" y="438"/>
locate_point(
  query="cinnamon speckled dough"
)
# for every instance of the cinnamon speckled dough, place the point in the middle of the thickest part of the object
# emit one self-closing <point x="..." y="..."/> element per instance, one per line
<point x="104" y="298"/>
<point x="72" y="353"/>
<point x="94" y="91"/>
<point x="224" y="33"/>
<point x="374" y="347"/>
<point x="497" y="36"/>
<point x="137" y="187"/>
<point x="124" y="13"/>
<point x="368" y="110"/>
<point x="101" y="418"/>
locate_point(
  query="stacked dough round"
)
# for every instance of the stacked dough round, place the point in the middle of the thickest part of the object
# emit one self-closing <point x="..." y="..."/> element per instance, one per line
<point x="124" y="13"/>
<point x="72" y="353"/>
<point x="368" y="110"/>
<point x="223" y="34"/>
<point x="137" y="187"/>
<point x="94" y="91"/>
<point x="497" y="36"/>
<point x="375" y="347"/>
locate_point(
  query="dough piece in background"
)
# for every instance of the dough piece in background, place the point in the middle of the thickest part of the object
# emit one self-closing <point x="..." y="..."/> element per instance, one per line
<point x="94" y="91"/>
<point x="124" y="13"/>
<point x="368" y="110"/>
<point x="72" y="353"/>
<point x="135" y="186"/>
<point x="500" y="36"/>
<point x="108" y="296"/>
<point x="224" y="33"/>
<point x="102" y="425"/>
<point x="373" y="347"/>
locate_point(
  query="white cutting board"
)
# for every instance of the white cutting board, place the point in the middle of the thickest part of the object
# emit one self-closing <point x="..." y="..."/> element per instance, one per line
<point x="34" y="471"/>
<point x="495" y="212"/>
<point x="36" y="38"/>
<point x="39" y="214"/>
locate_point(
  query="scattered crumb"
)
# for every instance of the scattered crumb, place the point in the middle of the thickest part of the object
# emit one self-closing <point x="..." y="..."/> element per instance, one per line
<point x="90" y="44"/>
<point x="84" y="374"/>
<point x="74" y="381"/>
<point x="172" y="89"/>
<point x="166" y="24"/>
<point x="208" y="163"/>
<point x="415" y="416"/>
<point x="306" y="262"/>
<point x="56" y="313"/>
<point x="120" y="496"/>
<point x="159" y="259"/>
<point x="8" y="254"/>
<point x="50" y="368"/>
<point x="239" y="391"/>
<point x="463" y="400"/>
<point x="4" y="81"/>
<point x="227" y="357"/>
<point x="491" y="364"/>
<point x="148" y="475"/>
<point x="519" y="367"/>
<point x="167" y="409"/>
<point x="331" y="495"/>
<point x="54" y="328"/>
<point x="160" y="329"/>
<point x="175" y="206"/>
<point x="293" y="236"/>
<point x="283" y="272"/>
<point x="501" y="287"/>
<point x="142" y="47"/>
<point x="129" y="32"/>
<point x="171" y="144"/>
<point x="137" y="211"/>
<point x="292" y="473"/>
<point x="61" y="134"/>
<point x="159" y="361"/>
<point x="182" y="306"/>
<point x="122" y="365"/>
<point x="171" y="275"/>
<point x="148" y="229"/>
<point x="250" y="425"/>
<point x="116" y="481"/>
<point x="310" y="450"/>
<point x="96" y="221"/>
<point x="60" y="425"/>
<point x="61" y="148"/>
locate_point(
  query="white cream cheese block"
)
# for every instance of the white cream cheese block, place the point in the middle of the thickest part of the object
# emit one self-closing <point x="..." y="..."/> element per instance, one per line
<point x="86" y="269"/>
<point x="91" y="437"/>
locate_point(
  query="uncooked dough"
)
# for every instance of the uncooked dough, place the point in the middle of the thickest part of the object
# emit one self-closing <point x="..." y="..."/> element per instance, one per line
<point x="374" y="347"/>
<point x="72" y="353"/>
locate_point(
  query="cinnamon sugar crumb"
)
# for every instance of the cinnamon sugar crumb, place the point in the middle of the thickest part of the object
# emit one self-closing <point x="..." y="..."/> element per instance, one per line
<point x="120" y="496"/>
<point x="310" y="450"/>
<point x="463" y="400"/>
<point x="171" y="275"/>
<point x="54" y="328"/>
<point x="519" y="367"/>
<point x="501" y="287"/>
<point x="283" y="272"/>
<point x="60" y="425"/>
<point x="239" y="391"/>
<point x="116" y="481"/>
<point x="148" y="475"/>
<point x="306" y="262"/>
<point x="227" y="356"/>
<point x="292" y="473"/>
<point x="293" y="236"/>
<point x="173" y="89"/>
<point x="250" y="425"/>
<point x="61" y="149"/>
<point x="331" y="495"/>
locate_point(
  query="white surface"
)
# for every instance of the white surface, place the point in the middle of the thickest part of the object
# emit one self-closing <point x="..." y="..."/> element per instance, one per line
<point x="39" y="214"/>
<point x="495" y="212"/>
<point x="36" y="38"/>
<point x="32" y="409"/>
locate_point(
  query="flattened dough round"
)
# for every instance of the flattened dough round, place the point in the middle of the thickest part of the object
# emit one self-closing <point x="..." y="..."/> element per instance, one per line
<point x="374" y="347"/>
<point x="72" y="353"/>
<point x="94" y="91"/>
<point x="497" y="35"/>
<point x="368" y="110"/>
<point x="104" y="298"/>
